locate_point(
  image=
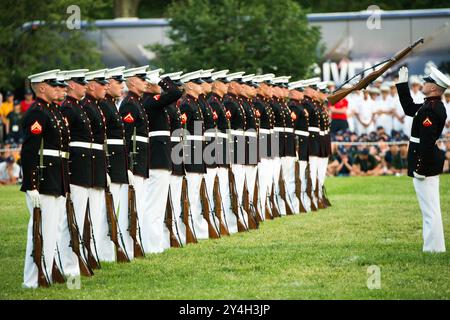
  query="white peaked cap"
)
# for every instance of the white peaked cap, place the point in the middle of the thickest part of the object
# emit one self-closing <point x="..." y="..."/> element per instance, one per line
<point x="248" y="77"/>
<point x="153" y="76"/>
<point x="60" y="76"/>
<point x="207" y="73"/>
<point x="44" y="76"/>
<point x="235" y="76"/>
<point x="133" y="72"/>
<point x="219" y="74"/>
<point x="114" y="72"/>
<point x="173" y="75"/>
<point x="311" y="81"/>
<point x="446" y="93"/>
<point x="97" y="74"/>
<point x="284" y="79"/>
<point x="438" y="77"/>
<point x="264" y="77"/>
<point x="322" y="85"/>
<point x="295" y="85"/>
<point x="78" y="73"/>
<point x="191" y="76"/>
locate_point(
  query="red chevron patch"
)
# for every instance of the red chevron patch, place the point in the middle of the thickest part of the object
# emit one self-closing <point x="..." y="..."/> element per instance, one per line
<point x="427" y="122"/>
<point x="128" y="118"/>
<point x="36" y="128"/>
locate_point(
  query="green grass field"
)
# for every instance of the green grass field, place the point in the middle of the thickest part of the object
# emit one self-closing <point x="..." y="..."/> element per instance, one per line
<point x="373" y="221"/>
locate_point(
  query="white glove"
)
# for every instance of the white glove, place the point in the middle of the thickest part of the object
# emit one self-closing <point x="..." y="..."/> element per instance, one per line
<point x="108" y="180"/>
<point x="403" y="75"/>
<point x="35" y="198"/>
<point x="130" y="178"/>
<point x="418" y="176"/>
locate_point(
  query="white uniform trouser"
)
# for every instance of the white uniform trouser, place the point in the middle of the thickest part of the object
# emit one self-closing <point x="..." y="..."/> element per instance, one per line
<point x="250" y="177"/>
<point x="306" y="201"/>
<point x="265" y="170"/>
<point x="120" y="196"/>
<point x="427" y="191"/>
<point x="52" y="208"/>
<point x="229" y="217"/>
<point x="321" y="174"/>
<point x="209" y="176"/>
<point x="67" y="260"/>
<point x="176" y="184"/>
<point x="200" y="225"/>
<point x="288" y="170"/>
<point x="313" y="170"/>
<point x="157" y="188"/>
<point x="239" y="178"/>
<point x="100" y="227"/>
<point x="141" y="207"/>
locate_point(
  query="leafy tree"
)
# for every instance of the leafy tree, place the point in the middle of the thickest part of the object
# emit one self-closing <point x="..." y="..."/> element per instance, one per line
<point x="25" y="50"/>
<point x="252" y="36"/>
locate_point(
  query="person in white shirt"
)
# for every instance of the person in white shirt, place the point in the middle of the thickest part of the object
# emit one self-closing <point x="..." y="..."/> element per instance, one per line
<point x="446" y="101"/>
<point x="353" y="99"/>
<point x="399" y="114"/>
<point x="385" y="110"/>
<point x="9" y="171"/>
<point x="364" y="113"/>
<point x="418" y="97"/>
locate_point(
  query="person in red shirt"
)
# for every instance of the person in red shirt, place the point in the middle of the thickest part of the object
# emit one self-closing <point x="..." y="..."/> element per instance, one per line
<point x="339" y="116"/>
<point x="26" y="103"/>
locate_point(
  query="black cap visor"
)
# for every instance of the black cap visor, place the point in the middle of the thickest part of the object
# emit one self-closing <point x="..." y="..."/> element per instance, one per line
<point x="79" y="80"/>
<point x="52" y="82"/>
<point x="102" y="81"/>
<point x="197" y="81"/>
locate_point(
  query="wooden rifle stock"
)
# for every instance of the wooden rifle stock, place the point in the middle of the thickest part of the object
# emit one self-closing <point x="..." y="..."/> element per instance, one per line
<point x="212" y="232"/>
<point x="75" y="238"/>
<point x="57" y="276"/>
<point x="92" y="262"/>
<point x="298" y="187"/>
<point x="283" y="194"/>
<point x="256" y="201"/>
<point x="190" y="236"/>
<point x="309" y="192"/>
<point x="235" y="201"/>
<point x="274" y="209"/>
<point x="168" y="221"/>
<point x="252" y="222"/>
<point x="38" y="258"/>
<point x="133" y="223"/>
<point x="113" y="227"/>
<point x="218" y="207"/>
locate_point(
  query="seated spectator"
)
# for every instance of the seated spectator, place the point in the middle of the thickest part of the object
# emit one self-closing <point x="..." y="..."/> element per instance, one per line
<point x="395" y="164"/>
<point x="14" y="131"/>
<point x="344" y="167"/>
<point x="26" y="103"/>
<point x="9" y="171"/>
<point x="365" y="164"/>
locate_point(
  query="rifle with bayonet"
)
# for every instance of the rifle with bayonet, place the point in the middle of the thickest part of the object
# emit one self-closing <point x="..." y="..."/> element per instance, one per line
<point x="133" y="219"/>
<point x="283" y="194"/>
<point x="298" y="187"/>
<point x="249" y="208"/>
<point x="186" y="212"/>
<point x="175" y="241"/>
<point x="341" y="93"/>
<point x="213" y="231"/>
<point x="235" y="205"/>
<point x="218" y="208"/>
<point x="256" y="200"/>
<point x="93" y="262"/>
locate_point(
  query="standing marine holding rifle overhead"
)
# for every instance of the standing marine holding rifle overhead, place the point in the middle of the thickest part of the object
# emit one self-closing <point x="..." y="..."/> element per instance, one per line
<point x="425" y="159"/>
<point x="42" y="180"/>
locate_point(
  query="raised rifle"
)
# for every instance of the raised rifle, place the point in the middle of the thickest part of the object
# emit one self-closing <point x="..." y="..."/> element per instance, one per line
<point x="93" y="262"/>
<point x="175" y="241"/>
<point x="213" y="231"/>
<point x="218" y="208"/>
<point x="133" y="219"/>
<point x="114" y="231"/>
<point x="235" y="205"/>
<point x="38" y="246"/>
<point x="186" y="212"/>
<point x="341" y="93"/>
<point x="75" y="237"/>
<point x="249" y="208"/>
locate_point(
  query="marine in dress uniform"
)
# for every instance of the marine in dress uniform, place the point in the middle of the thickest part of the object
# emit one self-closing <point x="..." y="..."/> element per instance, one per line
<point x="117" y="156"/>
<point x="314" y="134"/>
<point x="238" y="126"/>
<point x="159" y="95"/>
<point x="42" y="179"/>
<point x="301" y="123"/>
<point x="215" y="100"/>
<point x="80" y="152"/>
<point x="136" y="127"/>
<point x="193" y="152"/>
<point x="265" y="138"/>
<point x="95" y="92"/>
<point x="248" y="93"/>
<point x="425" y="159"/>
